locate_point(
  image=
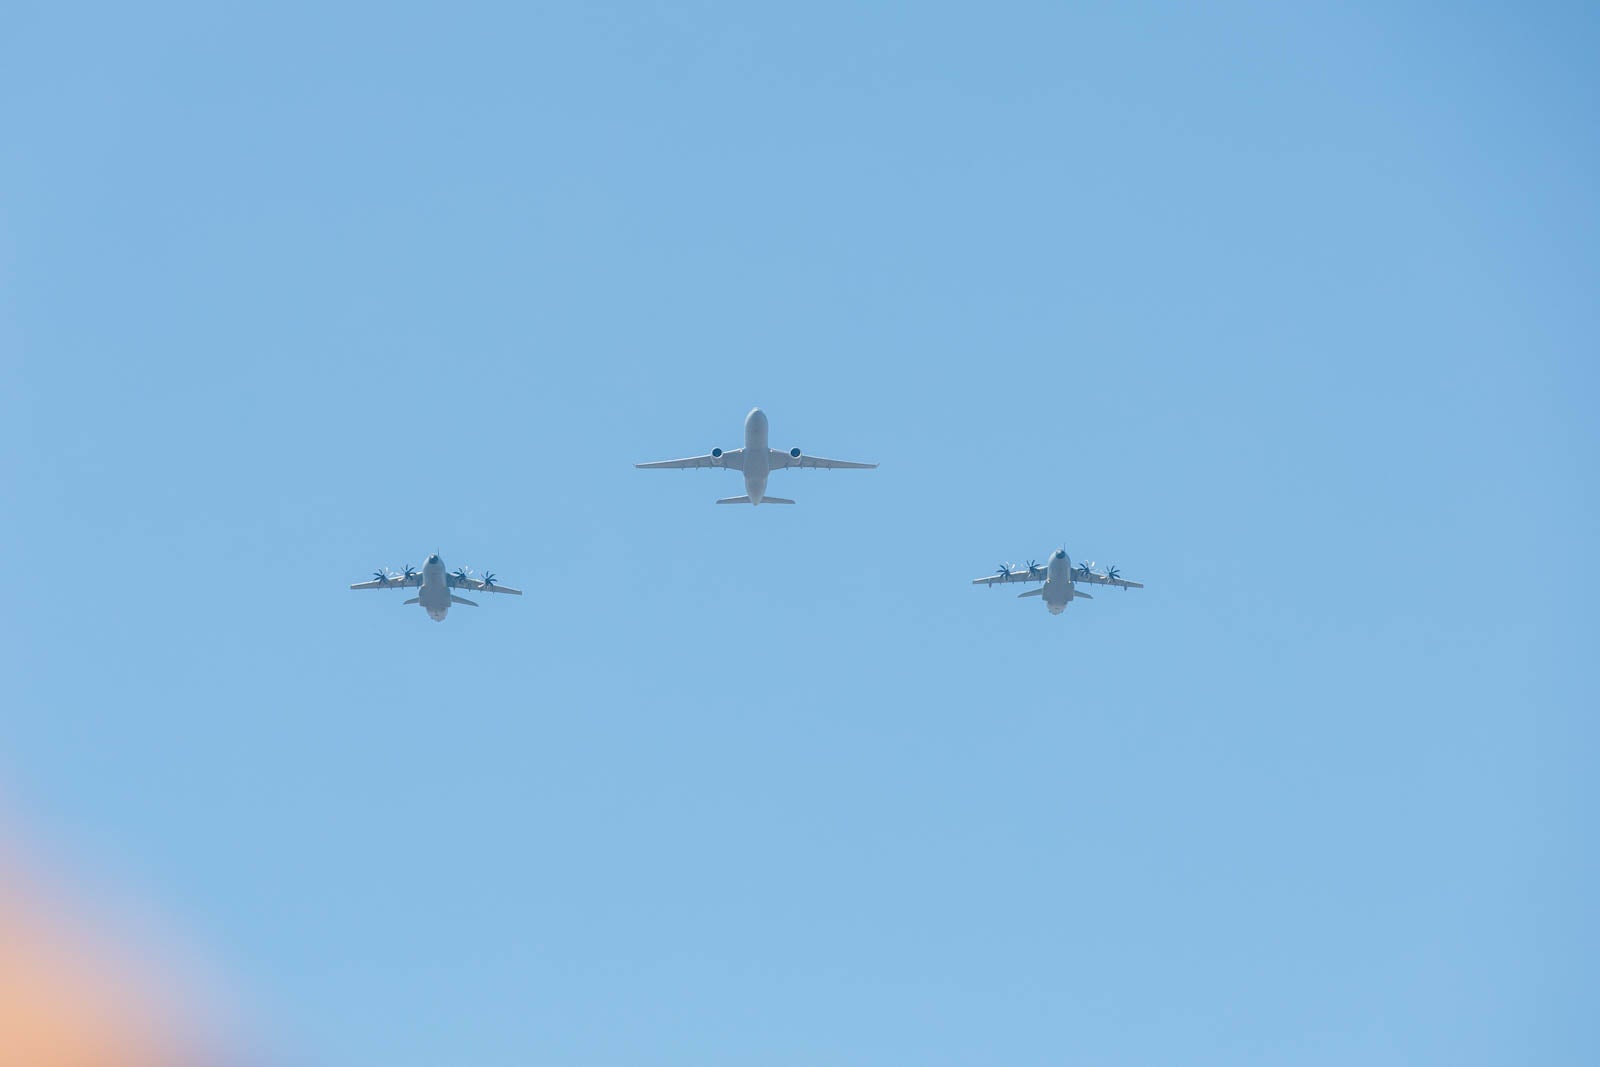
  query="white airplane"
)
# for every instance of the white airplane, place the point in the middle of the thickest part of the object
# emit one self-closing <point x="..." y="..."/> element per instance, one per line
<point x="436" y="585"/>
<point x="756" y="460"/>
<point x="1058" y="576"/>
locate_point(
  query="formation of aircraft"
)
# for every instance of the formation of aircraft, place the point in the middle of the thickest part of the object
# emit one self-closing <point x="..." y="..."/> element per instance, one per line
<point x="1060" y="580"/>
<point x="756" y="460"/>
<point x="436" y="586"/>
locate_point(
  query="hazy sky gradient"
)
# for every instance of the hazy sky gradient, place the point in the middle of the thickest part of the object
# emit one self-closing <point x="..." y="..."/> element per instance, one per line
<point x="1289" y="314"/>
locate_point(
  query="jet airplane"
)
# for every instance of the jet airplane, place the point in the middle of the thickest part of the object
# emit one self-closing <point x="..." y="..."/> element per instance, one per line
<point x="1058" y="576"/>
<point x="755" y="460"/>
<point x="436" y="585"/>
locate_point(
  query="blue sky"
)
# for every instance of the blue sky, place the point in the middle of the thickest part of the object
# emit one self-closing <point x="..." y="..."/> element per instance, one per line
<point x="1289" y="313"/>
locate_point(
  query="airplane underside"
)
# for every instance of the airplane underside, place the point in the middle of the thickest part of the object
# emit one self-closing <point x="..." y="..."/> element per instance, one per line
<point x="436" y="610"/>
<point x="1054" y="601"/>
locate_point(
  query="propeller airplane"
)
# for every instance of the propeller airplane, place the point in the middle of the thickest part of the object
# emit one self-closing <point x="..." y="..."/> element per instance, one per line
<point x="436" y="586"/>
<point x="1059" y="577"/>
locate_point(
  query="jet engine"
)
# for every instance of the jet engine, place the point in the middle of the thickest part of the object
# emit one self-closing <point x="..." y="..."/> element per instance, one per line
<point x="716" y="453"/>
<point x="794" y="453"/>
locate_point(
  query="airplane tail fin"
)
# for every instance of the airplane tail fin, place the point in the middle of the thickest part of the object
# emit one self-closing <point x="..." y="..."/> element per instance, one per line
<point x="775" y="500"/>
<point x="734" y="500"/>
<point x="461" y="600"/>
<point x="414" y="600"/>
<point x="1032" y="592"/>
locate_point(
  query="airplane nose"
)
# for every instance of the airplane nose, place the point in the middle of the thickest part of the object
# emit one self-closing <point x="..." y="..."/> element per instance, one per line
<point x="757" y="417"/>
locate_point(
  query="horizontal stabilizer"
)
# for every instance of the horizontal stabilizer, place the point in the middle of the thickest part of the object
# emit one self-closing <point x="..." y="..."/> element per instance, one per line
<point x="414" y="600"/>
<point x="1032" y="592"/>
<point x="461" y="600"/>
<point x="1080" y="594"/>
<point x="734" y="500"/>
<point x="775" y="500"/>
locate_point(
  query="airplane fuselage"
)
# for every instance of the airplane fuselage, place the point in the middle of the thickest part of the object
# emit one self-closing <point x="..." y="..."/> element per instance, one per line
<point x="1057" y="592"/>
<point x="757" y="459"/>
<point x="434" y="593"/>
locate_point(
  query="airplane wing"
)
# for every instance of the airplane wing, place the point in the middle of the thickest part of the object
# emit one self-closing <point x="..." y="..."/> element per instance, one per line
<point x="1096" y="578"/>
<point x="1020" y="575"/>
<point x="457" y="582"/>
<point x="399" y="581"/>
<point x="789" y="461"/>
<point x="732" y="460"/>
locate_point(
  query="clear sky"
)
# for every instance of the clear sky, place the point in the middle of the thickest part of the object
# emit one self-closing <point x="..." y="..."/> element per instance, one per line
<point x="1288" y="311"/>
